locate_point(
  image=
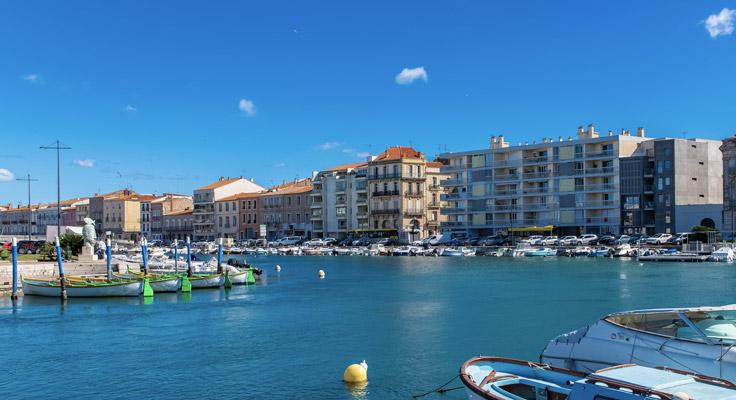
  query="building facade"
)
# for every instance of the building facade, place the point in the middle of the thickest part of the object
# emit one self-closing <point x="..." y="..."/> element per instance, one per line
<point x="570" y="186"/>
<point x="399" y="181"/>
<point x="178" y="225"/>
<point x="249" y="226"/>
<point x="15" y="221"/>
<point x="122" y="216"/>
<point x="286" y="210"/>
<point x="206" y="219"/>
<point x="671" y="185"/>
<point x="96" y="209"/>
<point x="227" y="221"/>
<point x="728" y="150"/>
<point x="153" y="210"/>
<point x="339" y="201"/>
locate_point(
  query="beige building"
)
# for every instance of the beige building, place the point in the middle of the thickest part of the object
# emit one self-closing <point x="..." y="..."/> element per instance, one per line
<point x="226" y="222"/>
<point x="339" y="201"/>
<point x="206" y="210"/>
<point x="121" y="216"/>
<point x="399" y="191"/>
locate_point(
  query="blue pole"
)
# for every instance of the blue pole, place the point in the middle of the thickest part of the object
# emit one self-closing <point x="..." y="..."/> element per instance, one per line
<point x="108" y="250"/>
<point x="189" y="257"/>
<point x="15" y="269"/>
<point x="176" y="256"/>
<point x="144" y="253"/>
<point x="219" y="254"/>
<point x="62" y="281"/>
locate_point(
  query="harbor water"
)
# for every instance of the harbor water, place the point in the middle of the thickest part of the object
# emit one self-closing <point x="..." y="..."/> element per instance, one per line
<point x="414" y="320"/>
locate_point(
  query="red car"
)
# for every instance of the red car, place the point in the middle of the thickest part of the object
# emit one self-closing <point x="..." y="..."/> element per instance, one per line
<point x="8" y="245"/>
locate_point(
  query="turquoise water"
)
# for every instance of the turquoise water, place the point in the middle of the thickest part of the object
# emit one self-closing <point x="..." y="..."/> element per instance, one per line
<point x="415" y="320"/>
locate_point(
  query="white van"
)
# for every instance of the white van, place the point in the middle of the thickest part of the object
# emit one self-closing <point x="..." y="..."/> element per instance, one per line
<point x="436" y="240"/>
<point x="290" y="240"/>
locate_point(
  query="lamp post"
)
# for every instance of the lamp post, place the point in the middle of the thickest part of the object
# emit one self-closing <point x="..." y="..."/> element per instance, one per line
<point x="30" y="211"/>
<point x="58" y="187"/>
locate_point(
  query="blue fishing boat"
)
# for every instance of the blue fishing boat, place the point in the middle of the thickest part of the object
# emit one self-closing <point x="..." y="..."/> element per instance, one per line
<point x="508" y="379"/>
<point x="540" y="252"/>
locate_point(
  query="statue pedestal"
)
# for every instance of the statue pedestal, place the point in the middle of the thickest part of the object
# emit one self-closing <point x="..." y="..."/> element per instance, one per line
<point x="88" y="254"/>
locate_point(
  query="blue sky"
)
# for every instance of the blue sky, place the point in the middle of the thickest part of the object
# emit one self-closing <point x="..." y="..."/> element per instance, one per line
<point x="169" y="96"/>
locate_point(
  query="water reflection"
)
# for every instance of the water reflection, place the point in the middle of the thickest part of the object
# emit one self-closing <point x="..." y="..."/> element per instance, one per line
<point x="357" y="390"/>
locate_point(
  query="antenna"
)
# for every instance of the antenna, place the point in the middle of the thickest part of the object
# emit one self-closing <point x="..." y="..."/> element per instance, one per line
<point x="30" y="211"/>
<point x="58" y="183"/>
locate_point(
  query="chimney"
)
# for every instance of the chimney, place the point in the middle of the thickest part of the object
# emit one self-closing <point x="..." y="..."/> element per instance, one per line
<point x="569" y="138"/>
<point x="493" y="139"/>
<point x="251" y="179"/>
<point x="534" y="142"/>
<point x="96" y="194"/>
<point x="610" y="133"/>
<point x="623" y="131"/>
<point x="559" y="139"/>
<point x="544" y="140"/>
<point x="222" y="178"/>
<point x="590" y="130"/>
<point x="580" y="130"/>
<point x="640" y="132"/>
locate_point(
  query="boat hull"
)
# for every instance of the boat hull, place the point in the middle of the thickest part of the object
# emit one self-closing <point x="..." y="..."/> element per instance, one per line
<point x="207" y="281"/>
<point x="239" y="278"/>
<point x="160" y="283"/>
<point x="122" y="289"/>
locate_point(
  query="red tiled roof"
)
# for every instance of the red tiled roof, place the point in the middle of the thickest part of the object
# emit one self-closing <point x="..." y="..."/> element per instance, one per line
<point x="434" y="164"/>
<point x="180" y="212"/>
<point x="399" y="152"/>
<point x="219" y="183"/>
<point x="290" y="190"/>
<point x="346" y="166"/>
<point x="239" y="195"/>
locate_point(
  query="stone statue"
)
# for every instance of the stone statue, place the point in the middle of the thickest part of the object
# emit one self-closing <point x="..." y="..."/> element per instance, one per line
<point x="89" y="233"/>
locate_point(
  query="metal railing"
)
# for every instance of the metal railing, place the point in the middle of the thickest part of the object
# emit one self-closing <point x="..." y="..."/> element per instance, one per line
<point x="386" y="193"/>
<point x="386" y="211"/>
<point x="595" y="154"/>
<point x="413" y="194"/>
<point x="414" y="211"/>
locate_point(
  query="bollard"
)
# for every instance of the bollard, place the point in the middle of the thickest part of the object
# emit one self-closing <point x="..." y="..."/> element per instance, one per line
<point x="62" y="281"/>
<point x="144" y="254"/>
<point x="176" y="257"/>
<point x="189" y="258"/>
<point x="14" y="296"/>
<point x="108" y="253"/>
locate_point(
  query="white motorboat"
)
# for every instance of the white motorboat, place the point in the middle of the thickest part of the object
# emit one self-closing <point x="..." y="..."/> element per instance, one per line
<point x="582" y="251"/>
<point x="724" y="254"/>
<point x="623" y="250"/>
<point x="460" y="251"/>
<point x="376" y="249"/>
<point x="540" y="252"/>
<point x="700" y="340"/>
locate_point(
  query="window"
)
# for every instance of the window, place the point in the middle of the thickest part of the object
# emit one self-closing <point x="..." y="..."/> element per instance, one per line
<point x="288" y="201"/>
<point x="659" y="167"/>
<point x="220" y="205"/>
<point x="660" y="198"/>
<point x="227" y="207"/>
<point x="249" y="204"/>
<point x="695" y="179"/>
<point x="667" y="181"/>
<point x="220" y="221"/>
<point x="631" y="203"/>
<point x="235" y="220"/>
<point x="298" y="217"/>
<point x="667" y="218"/>
<point x="659" y="183"/>
<point x="667" y="164"/>
<point x="666" y="152"/>
<point x="419" y="188"/>
<point x="298" y="200"/>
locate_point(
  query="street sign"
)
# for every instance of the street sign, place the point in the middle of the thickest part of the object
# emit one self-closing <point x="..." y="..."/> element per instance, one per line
<point x="263" y="230"/>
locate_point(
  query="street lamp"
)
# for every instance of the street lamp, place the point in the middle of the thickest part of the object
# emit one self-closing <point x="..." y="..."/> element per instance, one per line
<point x="30" y="211"/>
<point x="58" y="183"/>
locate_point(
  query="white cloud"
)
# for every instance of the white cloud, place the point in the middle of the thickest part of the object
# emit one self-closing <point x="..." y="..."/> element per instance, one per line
<point x="33" y="78"/>
<point x="247" y="107"/>
<point x="721" y="24"/>
<point x="363" y="155"/>
<point x="88" y="163"/>
<point x="329" y="145"/>
<point x="407" y="76"/>
<point x="6" y="175"/>
<point x="280" y="164"/>
<point x="348" y="150"/>
<point x="130" y="108"/>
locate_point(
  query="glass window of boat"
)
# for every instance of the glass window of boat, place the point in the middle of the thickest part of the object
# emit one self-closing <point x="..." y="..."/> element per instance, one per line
<point x="714" y="324"/>
<point x="665" y="323"/>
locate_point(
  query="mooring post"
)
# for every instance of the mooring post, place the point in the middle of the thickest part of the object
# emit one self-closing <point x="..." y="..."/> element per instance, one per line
<point x="176" y="256"/>
<point x="108" y="253"/>
<point x="219" y="256"/>
<point x="14" y="296"/>
<point x="144" y="253"/>
<point x="189" y="258"/>
<point x="62" y="281"/>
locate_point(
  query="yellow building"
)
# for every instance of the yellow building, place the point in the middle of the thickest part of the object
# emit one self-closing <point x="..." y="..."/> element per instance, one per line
<point x="122" y="215"/>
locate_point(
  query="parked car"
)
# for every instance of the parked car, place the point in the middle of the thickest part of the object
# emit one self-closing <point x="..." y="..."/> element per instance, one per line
<point x="567" y="241"/>
<point x="290" y="240"/>
<point x="8" y="245"/>
<point x="436" y="240"/>
<point x="680" y="238"/>
<point x="348" y="241"/>
<point x="548" y="241"/>
<point x="496" y="240"/>
<point x="658" y="239"/>
<point x="26" y="246"/>
<point x="608" y="239"/>
<point x="387" y="241"/>
<point x="473" y="241"/>
<point x="364" y="241"/>
<point x="455" y="242"/>
<point x="588" y="240"/>
<point x="637" y="237"/>
<point x="531" y="240"/>
<point x="329" y="241"/>
<point x="623" y="239"/>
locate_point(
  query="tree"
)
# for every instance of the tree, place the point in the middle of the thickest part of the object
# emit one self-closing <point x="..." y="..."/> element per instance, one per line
<point x="700" y="233"/>
<point x="48" y="250"/>
<point x="72" y="242"/>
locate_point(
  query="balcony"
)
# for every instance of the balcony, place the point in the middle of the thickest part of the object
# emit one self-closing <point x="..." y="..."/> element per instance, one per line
<point x="386" y="193"/>
<point x="598" y="220"/>
<point x="413" y="176"/>
<point x="433" y="187"/>
<point x="599" y="154"/>
<point x="452" y="224"/>
<point x="409" y="193"/>
<point x="649" y="172"/>
<point x="386" y="211"/>
<point x="536" y="175"/>
<point x="453" y="196"/>
<point x="540" y="206"/>
<point x="452" y="210"/>
<point x="451" y="182"/>
<point x="316" y="204"/>
<point x="649" y="206"/>
<point x="508" y="192"/>
<point x="435" y="204"/>
<point x="455" y="167"/>
<point x="341" y="215"/>
<point x="536" y="190"/>
<point x="506" y="177"/>
<point x="361" y="201"/>
<point x="384" y="176"/>
<point x="533" y="160"/>
<point x="414" y="211"/>
<point x="361" y="214"/>
<point x="600" y="187"/>
<point x="361" y="188"/>
<point x="648" y="188"/>
<point x="600" y="170"/>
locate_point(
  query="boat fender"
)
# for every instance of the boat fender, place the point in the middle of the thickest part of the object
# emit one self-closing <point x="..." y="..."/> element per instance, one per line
<point x="321" y="274"/>
<point x="278" y="268"/>
<point x="356" y="373"/>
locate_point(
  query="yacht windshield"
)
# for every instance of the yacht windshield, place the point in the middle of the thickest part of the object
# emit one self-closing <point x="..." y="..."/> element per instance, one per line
<point x="714" y="324"/>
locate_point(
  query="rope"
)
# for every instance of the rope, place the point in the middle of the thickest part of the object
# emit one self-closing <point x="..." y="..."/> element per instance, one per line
<point x="440" y="389"/>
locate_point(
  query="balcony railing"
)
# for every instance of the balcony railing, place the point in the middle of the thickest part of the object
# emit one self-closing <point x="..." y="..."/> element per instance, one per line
<point x="433" y="187"/>
<point x="648" y="188"/>
<point x="532" y="160"/>
<point x="316" y="204"/>
<point x="455" y="167"/>
<point x="600" y="170"/>
<point x="384" y="176"/>
<point x="435" y="204"/>
<point x="596" y="154"/>
<point x="507" y="177"/>
<point x="536" y="190"/>
<point x="453" y="196"/>
<point x="386" y="211"/>
<point x="410" y="193"/>
<point x="414" y="211"/>
<point x="452" y="210"/>
<point x="537" y="175"/>
<point x="540" y="206"/>
<point x="452" y="182"/>
<point x="386" y="193"/>
<point x="596" y="187"/>
<point x="452" y="224"/>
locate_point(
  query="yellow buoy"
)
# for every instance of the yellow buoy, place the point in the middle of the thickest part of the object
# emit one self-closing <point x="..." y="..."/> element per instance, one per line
<point x="356" y="373"/>
<point x="278" y="268"/>
<point x="321" y="274"/>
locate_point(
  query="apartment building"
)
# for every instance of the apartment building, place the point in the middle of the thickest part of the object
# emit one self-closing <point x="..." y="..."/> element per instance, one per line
<point x="15" y="221"/>
<point x="400" y="184"/>
<point x="249" y="226"/>
<point x="122" y="215"/>
<point x="570" y="186"/>
<point x="226" y="223"/>
<point x="728" y="150"/>
<point x="286" y="209"/>
<point x="339" y="200"/>
<point x="153" y="210"/>
<point x="96" y="209"/>
<point x="671" y="185"/>
<point x="206" y="217"/>
<point x="178" y="225"/>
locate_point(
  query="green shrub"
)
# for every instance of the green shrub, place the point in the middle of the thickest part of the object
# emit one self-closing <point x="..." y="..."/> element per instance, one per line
<point x="700" y="233"/>
<point x="72" y="242"/>
<point x="4" y="254"/>
<point x="48" y="250"/>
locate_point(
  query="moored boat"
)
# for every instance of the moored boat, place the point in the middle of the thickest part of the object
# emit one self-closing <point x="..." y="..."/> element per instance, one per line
<point x="699" y="340"/>
<point x="508" y="379"/>
<point x="207" y="281"/>
<point x="460" y="251"/>
<point x="159" y="283"/>
<point x="52" y="288"/>
<point x="540" y="252"/>
<point x="724" y="254"/>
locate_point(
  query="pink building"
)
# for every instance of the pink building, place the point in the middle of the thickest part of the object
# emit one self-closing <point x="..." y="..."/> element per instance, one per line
<point x="69" y="216"/>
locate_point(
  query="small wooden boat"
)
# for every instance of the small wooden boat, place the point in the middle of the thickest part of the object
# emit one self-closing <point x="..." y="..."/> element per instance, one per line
<point x="159" y="283"/>
<point x="207" y="281"/>
<point x="239" y="276"/>
<point x="52" y="288"/>
<point x="507" y="379"/>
